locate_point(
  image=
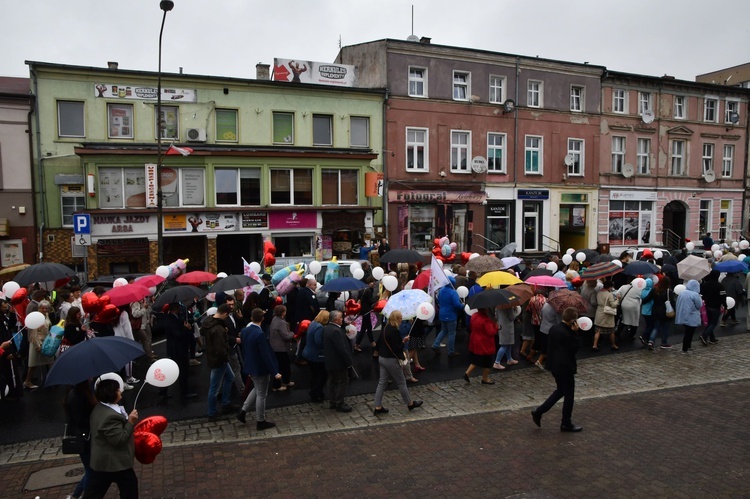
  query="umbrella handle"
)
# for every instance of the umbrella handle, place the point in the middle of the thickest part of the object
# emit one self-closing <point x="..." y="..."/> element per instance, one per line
<point x="135" y="404"/>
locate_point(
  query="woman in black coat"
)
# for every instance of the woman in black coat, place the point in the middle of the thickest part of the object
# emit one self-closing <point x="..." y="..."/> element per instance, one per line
<point x="662" y="323"/>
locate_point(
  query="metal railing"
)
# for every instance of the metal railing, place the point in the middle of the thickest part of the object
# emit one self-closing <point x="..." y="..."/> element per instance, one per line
<point x="671" y="240"/>
<point x="555" y="248"/>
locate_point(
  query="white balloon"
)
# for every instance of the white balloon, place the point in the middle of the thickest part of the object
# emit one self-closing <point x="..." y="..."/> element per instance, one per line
<point x="221" y="275"/>
<point x="425" y="311"/>
<point x="679" y="289"/>
<point x="351" y="331"/>
<point x="314" y="267"/>
<point x="358" y="273"/>
<point x="584" y="323"/>
<point x="255" y="267"/>
<point x="658" y="254"/>
<point x="162" y="271"/>
<point x="581" y="256"/>
<point x="473" y="256"/>
<point x="162" y="373"/>
<point x="654" y="279"/>
<point x="744" y="244"/>
<point x="570" y="251"/>
<point x="715" y="248"/>
<point x="730" y="302"/>
<point x="211" y="297"/>
<point x="462" y="291"/>
<point x="10" y="288"/>
<point x="409" y="285"/>
<point x="599" y="285"/>
<point x="639" y="283"/>
<point x="552" y="266"/>
<point x="152" y="290"/>
<point x="113" y="376"/>
<point x="34" y="320"/>
<point x="690" y="246"/>
<point x="211" y="311"/>
<point x="390" y="282"/>
<point x="741" y="257"/>
<point x="567" y="259"/>
<point x="378" y="273"/>
<point x="718" y="255"/>
<point x="735" y="244"/>
<point x="618" y="263"/>
<point x="119" y="282"/>
<point x="470" y="311"/>
<point x="344" y="296"/>
<point x="354" y="266"/>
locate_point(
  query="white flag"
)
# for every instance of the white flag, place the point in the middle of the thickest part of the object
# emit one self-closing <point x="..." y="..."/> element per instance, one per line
<point x="248" y="271"/>
<point x="438" y="279"/>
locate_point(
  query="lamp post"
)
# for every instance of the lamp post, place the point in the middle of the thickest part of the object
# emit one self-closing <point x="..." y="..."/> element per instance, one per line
<point x="166" y="6"/>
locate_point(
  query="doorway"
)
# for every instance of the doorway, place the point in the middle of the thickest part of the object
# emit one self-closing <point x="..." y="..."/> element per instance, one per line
<point x="230" y="249"/>
<point x="674" y="223"/>
<point x="532" y="219"/>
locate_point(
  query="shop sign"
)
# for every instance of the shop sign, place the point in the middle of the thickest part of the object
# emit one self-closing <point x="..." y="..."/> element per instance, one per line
<point x="632" y="195"/>
<point x="374" y="184"/>
<point x="497" y="210"/>
<point x="201" y="222"/>
<point x="151" y="187"/>
<point x="175" y="223"/>
<point x="11" y="252"/>
<point x="438" y="197"/>
<point x="533" y="194"/>
<point x="107" y="225"/>
<point x="293" y="220"/>
<point x="574" y="198"/>
<point x="143" y="92"/>
<point x="122" y="247"/>
<point x="254" y="220"/>
<point x="319" y="73"/>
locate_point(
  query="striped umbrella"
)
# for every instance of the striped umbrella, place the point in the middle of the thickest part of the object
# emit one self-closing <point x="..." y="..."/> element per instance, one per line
<point x="600" y="270"/>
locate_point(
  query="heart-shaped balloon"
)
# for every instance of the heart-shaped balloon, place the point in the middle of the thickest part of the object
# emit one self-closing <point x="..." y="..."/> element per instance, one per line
<point x="90" y="303"/>
<point x="147" y="446"/>
<point x="153" y="424"/>
<point x="379" y="306"/>
<point x="104" y="300"/>
<point x="107" y="314"/>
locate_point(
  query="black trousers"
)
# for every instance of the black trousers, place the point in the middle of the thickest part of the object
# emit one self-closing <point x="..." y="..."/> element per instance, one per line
<point x="99" y="482"/>
<point x="336" y="384"/>
<point x="566" y="386"/>
<point x="318" y="376"/>
<point x="285" y="369"/>
<point x="687" y="338"/>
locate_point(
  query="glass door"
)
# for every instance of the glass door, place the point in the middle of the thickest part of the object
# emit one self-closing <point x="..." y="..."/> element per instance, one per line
<point x="531" y="226"/>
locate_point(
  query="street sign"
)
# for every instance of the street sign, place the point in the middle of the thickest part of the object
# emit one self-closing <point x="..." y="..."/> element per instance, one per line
<point x="82" y="239"/>
<point x="82" y="224"/>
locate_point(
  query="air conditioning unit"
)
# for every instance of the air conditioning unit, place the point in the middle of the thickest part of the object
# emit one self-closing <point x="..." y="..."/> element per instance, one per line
<point x="196" y="134"/>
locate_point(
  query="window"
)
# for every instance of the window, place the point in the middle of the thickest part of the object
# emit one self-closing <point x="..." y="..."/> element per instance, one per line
<point x="710" y="109"/>
<point x="283" y="128"/>
<point x="725" y="219"/>
<point x="619" y="101"/>
<point x="73" y="200"/>
<point x="322" y="130"/>
<point x="120" y="121"/>
<point x="461" y="85"/>
<point x="704" y="216"/>
<point x="122" y="187"/>
<point x="70" y="119"/>
<point x="340" y="187"/>
<point x="644" y="156"/>
<point x="644" y="102"/>
<point x="496" y="152"/>
<point x="237" y="186"/>
<point x="534" y="95"/>
<point x="460" y="151"/>
<point x="678" y="157"/>
<point x="577" y="98"/>
<point x="226" y="125"/>
<point x="183" y="187"/>
<point x="170" y="119"/>
<point x="359" y="131"/>
<point x="679" y="107"/>
<point x="727" y="162"/>
<point x="630" y="222"/>
<point x="417" y="82"/>
<point x="618" y="154"/>
<point x="291" y="186"/>
<point x="708" y="157"/>
<point x="533" y="159"/>
<point x="731" y="107"/>
<point x="497" y="89"/>
<point x="575" y="149"/>
<point x="416" y="150"/>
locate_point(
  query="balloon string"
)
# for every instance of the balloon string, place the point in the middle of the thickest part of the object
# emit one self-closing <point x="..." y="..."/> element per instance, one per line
<point x="19" y="332"/>
<point x="135" y="404"/>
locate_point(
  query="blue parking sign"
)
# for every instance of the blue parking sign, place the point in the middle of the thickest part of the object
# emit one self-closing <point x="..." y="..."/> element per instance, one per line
<point x="82" y="224"/>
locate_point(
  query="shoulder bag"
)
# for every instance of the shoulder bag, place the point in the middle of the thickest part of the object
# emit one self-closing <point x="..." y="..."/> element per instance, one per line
<point x="402" y="361"/>
<point x="668" y="306"/>
<point x="73" y="444"/>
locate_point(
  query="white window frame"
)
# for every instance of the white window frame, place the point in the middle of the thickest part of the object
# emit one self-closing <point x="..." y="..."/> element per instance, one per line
<point x="534" y="93"/>
<point x="643" y="155"/>
<point x="707" y="160"/>
<point x="238" y="185"/>
<point x="725" y="228"/>
<point x="645" y="102"/>
<point x="78" y="206"/>
<point x="414" y="144"/>
<point x="709" y="211"/>
<point x="125" y="122"/>
<point x="459" y="84"/>
<point x="460" y="149"/>
<point x="577" y="98"/>
<point x="731" y="106"/>
<point x="416" y="80"/>
<point x="678" y="158"/>
<point x="83" y="118"/>
<point x="497" y="83"/>
<point x="619" y="95"/>
<point x="727" y="161"/>
<point x="679" y="107"/>
<point x="292" y="201"/>
<point x="492" y="146"/>
<point x="711" y="107"/>
<point x="329" y="117"/>
<point x="577" y="149"/>
<point x="359" y="119"/>
<point x="537" y="148"/>
<point x="339" y="187"/>
<point x="618" y="153"/>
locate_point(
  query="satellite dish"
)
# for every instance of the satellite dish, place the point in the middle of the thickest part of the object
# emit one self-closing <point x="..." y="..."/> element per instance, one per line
<point x="478" y="164"/>
<point x="648" y="116"/>
<point x="568" y="160"/>
<point x="734" y="118"/>
<point x="412" y="38"/>
<point x="628" y="170"/>
<point x="709" y="176"/>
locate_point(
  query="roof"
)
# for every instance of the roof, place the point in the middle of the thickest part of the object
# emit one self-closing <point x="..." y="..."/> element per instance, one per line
<point x="670" y="81"/>
<point x="15" y="86"/>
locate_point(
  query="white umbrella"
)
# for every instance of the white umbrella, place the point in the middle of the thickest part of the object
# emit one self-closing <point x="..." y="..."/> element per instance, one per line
<point x="693" y="267"/>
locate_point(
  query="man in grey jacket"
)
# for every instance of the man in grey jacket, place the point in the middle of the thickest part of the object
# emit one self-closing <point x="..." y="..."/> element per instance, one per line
<point x="337" y="349"/>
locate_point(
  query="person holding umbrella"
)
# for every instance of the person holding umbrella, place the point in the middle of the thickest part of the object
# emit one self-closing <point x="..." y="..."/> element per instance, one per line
<point x="449" y="305"/>
<point x="715" y="296"/>
<point x="483" y="329"/>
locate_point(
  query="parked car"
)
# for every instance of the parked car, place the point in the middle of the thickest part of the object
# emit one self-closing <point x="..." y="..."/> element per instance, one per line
<point x="637" y="253"/>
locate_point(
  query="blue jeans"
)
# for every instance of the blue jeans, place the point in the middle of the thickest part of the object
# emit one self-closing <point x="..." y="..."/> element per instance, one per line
<point x="448" y="328"/>
<point x="504" y="351"/>
<point x="660" y="329"/>
<point x="81" y="486"/>
<point x="220" y="375"/>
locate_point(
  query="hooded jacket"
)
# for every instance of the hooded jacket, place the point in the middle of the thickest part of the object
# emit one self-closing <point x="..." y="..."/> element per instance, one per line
<point x="449" y="302"/>
<point x="713" y="292"/>
<point x="647" y="297"/>
<point x="689" y="302"/>
<point x="217" y="348"/>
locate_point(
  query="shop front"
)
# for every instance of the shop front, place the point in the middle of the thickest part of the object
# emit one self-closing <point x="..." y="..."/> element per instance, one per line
<point x="533" y="206"/>
<point x="575" y="218"/>
<point x="120" y="243"/>
<point x="630" y="219"/>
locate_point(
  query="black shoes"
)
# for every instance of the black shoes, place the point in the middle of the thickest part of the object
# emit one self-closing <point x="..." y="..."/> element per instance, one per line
<point x="227" y="408"/>
<point x="264" y="425"/>
<point x="571" y="428"/>
<point x="382" y="410"/>
<point x="704" y="341"/>
<point x="344" y="408"/>
<point x="537" y="418"/>
<point x="214" y="418"/>
<point x="466" y="378"/>
<point x="415" y="404"/>
<point x="241" y="417"/>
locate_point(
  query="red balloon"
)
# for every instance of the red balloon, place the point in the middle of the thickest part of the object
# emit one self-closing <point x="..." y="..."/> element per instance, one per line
<point x="279" y="300"/>
<point x="104" y="300"/>
<point x="379" y="306"/>
<point x="436" y="241"/>
<point x="269" y="260"/>
<point x="153" y="424"/>
<point x="301" y="329"/>
<point x="465" y="257"/>
<point x="20" y="296"/>
<point x="107" y="314"/>
<point x="268" y="247"/>
<point x="577" y="282"/>
<point x="352" y="307"/>
<point x="90" y="303"/>
<point x="147" y="446"/>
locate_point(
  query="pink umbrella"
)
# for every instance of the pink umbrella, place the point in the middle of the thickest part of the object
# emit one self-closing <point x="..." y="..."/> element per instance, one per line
<point x="546" y="281"/>
<point x="129" y="293"/>
<point x="422" y="280"/>
<point x="150" y="280"/>
<point x="196" y="277"/>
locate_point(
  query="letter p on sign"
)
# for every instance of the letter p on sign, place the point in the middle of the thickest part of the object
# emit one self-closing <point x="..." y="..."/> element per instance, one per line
<point x="82" y="224"/>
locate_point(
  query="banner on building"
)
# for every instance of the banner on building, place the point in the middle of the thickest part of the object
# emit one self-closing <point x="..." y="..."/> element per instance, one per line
<point x="143" y="92"/>
<point x="320" y="73"/>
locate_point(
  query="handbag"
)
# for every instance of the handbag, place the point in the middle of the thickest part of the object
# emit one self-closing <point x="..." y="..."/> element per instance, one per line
<point x="73" y="444"/>
<point x="401" y="361"/>
<point x="668" y="306"/>
<point x="610" y="310"/>
<point x="704" y="315"/>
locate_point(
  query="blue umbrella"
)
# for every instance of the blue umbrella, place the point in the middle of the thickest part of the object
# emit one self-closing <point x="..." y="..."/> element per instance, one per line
<point x="341" y="284"/>
<point x="640" y="268"/>
<point x="92" y="358"/>
<point x="406" y="302"/>
<point x="731" y="266"/>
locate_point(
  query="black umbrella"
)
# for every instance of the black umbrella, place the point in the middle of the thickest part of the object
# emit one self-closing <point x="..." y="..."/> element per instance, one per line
<point x="401" y="255"/>
<point x="341" y="284"/>
<point x="605" y="258"/>
<point x="234" y="281"/>
<point x="640" y="268"/>
<point x="43" y="272"/>
<point x="541" y="271"/>
<point x="491" y="298"/>
<point x="179" y="294"/>
<point x="591" y="255"/>
<point x="508" y="250"/>
<point x="92" y="358"/>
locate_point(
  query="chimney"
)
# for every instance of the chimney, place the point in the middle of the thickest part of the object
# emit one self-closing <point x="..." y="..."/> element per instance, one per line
<point x="112" y="65"/>
<point x="262" y="71"/>
<point x="425" y="39"/>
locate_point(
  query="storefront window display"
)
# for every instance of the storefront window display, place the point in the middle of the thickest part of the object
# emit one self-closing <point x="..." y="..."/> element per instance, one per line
<point x="499" y="230"/>
<point x="293" y="245"/>
<point x="421" y="227"/>
<point x="630" y="222"/>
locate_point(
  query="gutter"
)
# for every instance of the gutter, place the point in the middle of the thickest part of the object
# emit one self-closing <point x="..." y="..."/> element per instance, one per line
<point x="40" y="187"/>
<point x="31" y="165"/>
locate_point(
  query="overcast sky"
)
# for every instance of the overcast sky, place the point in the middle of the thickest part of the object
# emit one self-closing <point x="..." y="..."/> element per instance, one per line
<point x="682" y="38"/>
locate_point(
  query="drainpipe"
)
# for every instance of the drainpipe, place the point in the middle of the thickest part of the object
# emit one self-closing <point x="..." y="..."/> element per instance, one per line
<point x="744" y="171"/>
<point x="385" y="169"/>
<point x="515" y="127"/>
<point x="31" y="163"/>
<point x="40" y="186"/>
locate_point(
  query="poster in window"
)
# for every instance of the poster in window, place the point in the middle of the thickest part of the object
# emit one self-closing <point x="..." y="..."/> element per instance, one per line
<point x="11" y="252"/>
<point x="403" y="225"/>
<point x="616" y="222"/>
<point x="169" y="183"/>
<point x="579" y="216"/>
<point x="110" y="188"/>
<point x="192" y="187"/>
<point x="645" y="226"/>
<point x="564" y="216"/>
<point x="630" y="227"/>
<point x="135" y="187"/>
<point x="121" y="121"/>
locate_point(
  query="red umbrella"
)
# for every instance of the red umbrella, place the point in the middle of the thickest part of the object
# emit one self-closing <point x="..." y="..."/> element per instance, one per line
<point x="560" y="300"/>
<point x="196" y="277"/>
<point x="422" y="280"/>
<point x="129" y="293"/>
<point x="150" y="280"/>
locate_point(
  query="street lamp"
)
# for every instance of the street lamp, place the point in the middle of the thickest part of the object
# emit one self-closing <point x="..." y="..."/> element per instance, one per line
<point x="166" y="6"/>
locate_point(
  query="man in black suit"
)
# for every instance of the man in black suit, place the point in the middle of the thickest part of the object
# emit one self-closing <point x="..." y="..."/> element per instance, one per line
<point x="562" y="346"/>
<point x="179" y="335"/>
<point x="337" y="349"/>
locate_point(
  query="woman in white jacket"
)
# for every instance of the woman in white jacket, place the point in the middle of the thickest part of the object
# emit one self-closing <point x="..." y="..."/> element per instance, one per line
<point x="123" y="329"/>
<point x="630" y="304"/>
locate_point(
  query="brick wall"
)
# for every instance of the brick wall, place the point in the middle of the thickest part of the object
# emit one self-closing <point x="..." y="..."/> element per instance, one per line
<point x="213" y="263"/>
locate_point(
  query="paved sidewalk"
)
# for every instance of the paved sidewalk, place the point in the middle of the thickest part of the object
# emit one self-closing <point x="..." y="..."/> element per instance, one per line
<point x="627" y="373"/>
